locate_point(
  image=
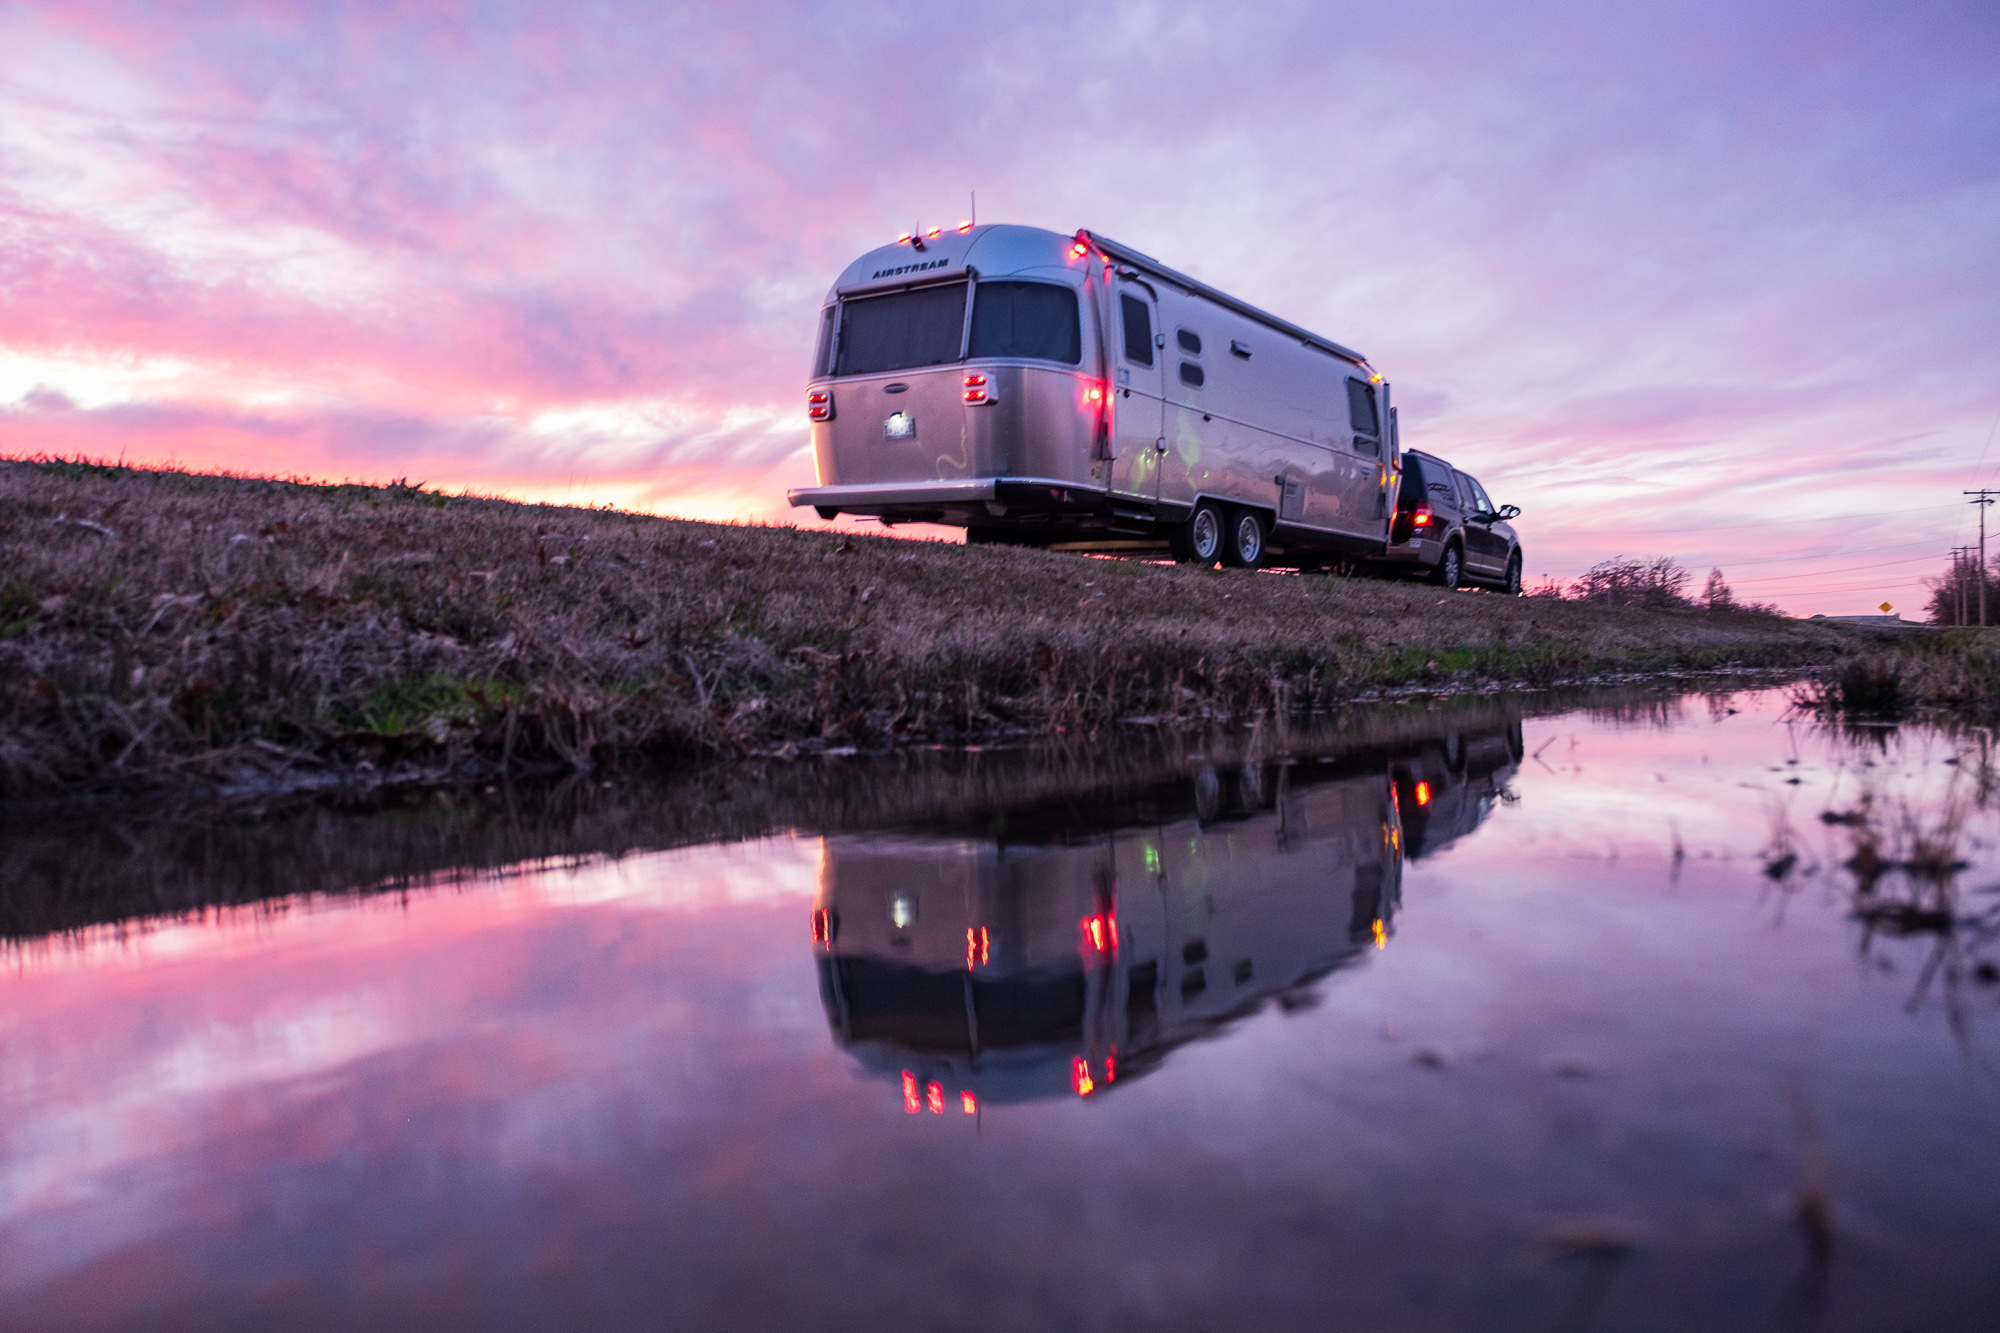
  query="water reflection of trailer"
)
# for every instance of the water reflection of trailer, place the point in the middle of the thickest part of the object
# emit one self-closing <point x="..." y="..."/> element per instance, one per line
<point x="1066" y="961"/>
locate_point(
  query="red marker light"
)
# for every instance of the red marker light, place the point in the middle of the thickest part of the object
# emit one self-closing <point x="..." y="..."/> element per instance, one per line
<point x="1423" y="793"/>
<point x="819" y="404"/>
<point x="822" y="927"/>
<point x="975" y="389"/>
<point x="969" y="1102"/>
<point x="1111" y="1066"/>
<point x="1080" y="1076"/>
<point x="934" y="1098"/>
<point x="1079" y="249"/>
<point x="934" y="233"/>
<point x="905" y="239"/>
<point x="909" y="1092"/>
<point x="965" y="226"/>
<point x="1096" y="933"/>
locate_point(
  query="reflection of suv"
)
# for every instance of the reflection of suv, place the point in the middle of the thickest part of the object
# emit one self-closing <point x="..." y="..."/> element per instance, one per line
<point x="1447" y="529"/>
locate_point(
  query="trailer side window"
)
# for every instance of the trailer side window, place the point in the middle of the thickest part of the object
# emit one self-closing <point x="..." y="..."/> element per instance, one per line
<point x="1191" y="374"/>
<point x="1138" y="330"/>
<point x="1190" y="341"/>
<point x="1031" y="319"/>
<point x="1361" y="408"/>
<point x="901" y="331"/>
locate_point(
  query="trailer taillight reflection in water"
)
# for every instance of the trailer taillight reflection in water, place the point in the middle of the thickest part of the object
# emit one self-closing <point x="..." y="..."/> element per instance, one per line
<point x="1062" y="957"/>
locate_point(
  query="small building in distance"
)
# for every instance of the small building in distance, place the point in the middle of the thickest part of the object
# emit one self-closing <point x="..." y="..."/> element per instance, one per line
<point x="1873" y="622"/>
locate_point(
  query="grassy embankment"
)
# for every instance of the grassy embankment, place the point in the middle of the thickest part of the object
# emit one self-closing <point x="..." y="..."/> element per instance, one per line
<point x="165" y="630"/>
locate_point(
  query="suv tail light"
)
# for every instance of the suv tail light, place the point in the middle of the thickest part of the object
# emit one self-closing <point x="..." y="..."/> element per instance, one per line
<point x="977" y="390"/>
<point x="819" y="404"/>
<point x="1421" y="516"/>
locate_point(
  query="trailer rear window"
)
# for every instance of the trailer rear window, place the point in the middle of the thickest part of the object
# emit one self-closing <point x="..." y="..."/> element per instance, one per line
<point x="1037" y="320"/>
<point x="898" y="332"/>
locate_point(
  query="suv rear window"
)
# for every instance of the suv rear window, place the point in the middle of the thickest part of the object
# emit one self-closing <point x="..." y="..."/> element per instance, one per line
<point x="896" y="332"/>
<point x="1029" y="319"/>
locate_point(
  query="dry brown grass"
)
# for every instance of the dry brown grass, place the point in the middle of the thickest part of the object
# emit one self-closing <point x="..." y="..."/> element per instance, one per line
<point x="174" y="630"/>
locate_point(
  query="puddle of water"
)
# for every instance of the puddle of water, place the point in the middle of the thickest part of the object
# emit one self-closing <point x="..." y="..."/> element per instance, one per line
<point x="1568" y="1021"/>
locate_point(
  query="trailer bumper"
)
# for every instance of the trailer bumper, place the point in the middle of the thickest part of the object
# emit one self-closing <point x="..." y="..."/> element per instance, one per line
<point x="962" y="501"/>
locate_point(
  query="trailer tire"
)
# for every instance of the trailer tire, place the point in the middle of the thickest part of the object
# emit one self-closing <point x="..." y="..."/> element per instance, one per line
<point x="1450" y="567"/>
<point x="1245" y="547"/>
<point x="1199" y="541"/>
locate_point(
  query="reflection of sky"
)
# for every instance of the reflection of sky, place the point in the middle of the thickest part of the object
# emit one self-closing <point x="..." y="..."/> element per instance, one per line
<point x="1691" y="280"/>
<point x="607" y="1094"/>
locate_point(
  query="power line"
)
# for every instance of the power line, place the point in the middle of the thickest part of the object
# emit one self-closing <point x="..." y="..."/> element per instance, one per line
<point x="1773" y="522"/>
<point x="1828" y="573"/>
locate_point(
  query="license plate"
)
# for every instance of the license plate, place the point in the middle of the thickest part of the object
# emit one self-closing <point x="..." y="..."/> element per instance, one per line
<point x="899" y="426"/>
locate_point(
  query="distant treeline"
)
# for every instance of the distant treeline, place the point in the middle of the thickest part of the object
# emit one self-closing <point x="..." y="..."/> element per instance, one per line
<point x="1658" y="584"/>
<point x="1955" y="593"/>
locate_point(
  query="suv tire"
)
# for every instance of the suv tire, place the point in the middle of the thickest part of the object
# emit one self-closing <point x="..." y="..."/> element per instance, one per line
<point x="1199" y="541"/>
<point x="1450" y="567"/>
<point x="1245" y="547"/>
<point x="1513" y="584"/>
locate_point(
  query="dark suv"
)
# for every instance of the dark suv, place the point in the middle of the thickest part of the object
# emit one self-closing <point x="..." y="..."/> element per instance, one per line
<point x="1448" y="530"/>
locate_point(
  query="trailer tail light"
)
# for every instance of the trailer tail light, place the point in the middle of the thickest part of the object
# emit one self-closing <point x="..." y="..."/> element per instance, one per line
<point x="934" y="1098"/>
<point x="910" y="1102"/>
<point x="977" y="390"/>
<point x="819" y="404"/>
<point x="1423" y="793"/>
<point x="1100" y="933"/>
<point x="1079" y="1073"/>
<point x="969" y="1102"/>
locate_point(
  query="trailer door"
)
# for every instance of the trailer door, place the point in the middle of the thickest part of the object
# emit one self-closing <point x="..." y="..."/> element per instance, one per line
<point x="1137" y="410"/>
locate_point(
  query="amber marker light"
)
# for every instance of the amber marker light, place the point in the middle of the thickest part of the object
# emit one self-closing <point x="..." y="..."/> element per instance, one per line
<point x="1080" y="1076"/>
<point x="1381" y="935"/>
<point x="1423" y="793"/>
<point x="965" y="226"/>
<point x="966" y="1100"/>
<point x="934" y="233"/>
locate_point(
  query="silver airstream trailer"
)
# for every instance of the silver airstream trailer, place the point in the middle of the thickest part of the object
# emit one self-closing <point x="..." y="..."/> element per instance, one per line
<point x="1068" y="391"/>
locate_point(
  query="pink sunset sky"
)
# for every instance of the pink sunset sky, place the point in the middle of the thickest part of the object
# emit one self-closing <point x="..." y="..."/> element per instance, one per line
<point x="1716" y="281"/>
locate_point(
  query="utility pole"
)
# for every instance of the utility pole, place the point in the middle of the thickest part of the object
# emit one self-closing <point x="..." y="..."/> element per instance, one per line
<point x="1985" y="499"/>
<point x="1958" y="564"/>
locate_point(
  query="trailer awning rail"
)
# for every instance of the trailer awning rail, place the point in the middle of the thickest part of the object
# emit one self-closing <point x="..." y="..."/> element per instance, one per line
<point x="1126" y="254"/>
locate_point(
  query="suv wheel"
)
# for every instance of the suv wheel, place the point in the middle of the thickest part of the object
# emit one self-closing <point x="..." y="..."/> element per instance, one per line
<point x="1514" y="574"/>
<point x="1199" y="540"/>
<point x="1450" y="567"/>
<point x="1245" y="549"/>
